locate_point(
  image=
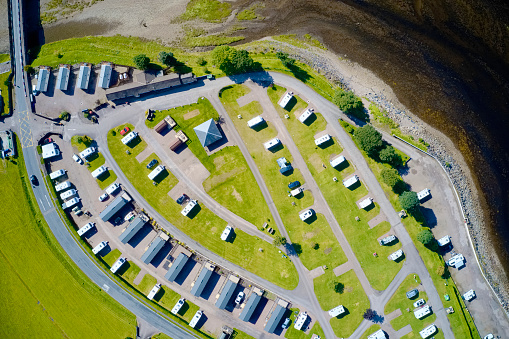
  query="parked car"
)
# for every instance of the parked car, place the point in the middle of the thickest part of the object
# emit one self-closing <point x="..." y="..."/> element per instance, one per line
<point x="419" y="303"/>
<point x="103" y="197"/>
<point x="286" y="323"/>
<point x="182" y="198"/>
<point x="152" y="163"/>
<point x="412" y="293"/>
<point x="293" y="185"/>
<point x="33" y="180"/>
<point x="77" y="159"/>
<point x="239" y="298"/>
<point x="124" y="131"/>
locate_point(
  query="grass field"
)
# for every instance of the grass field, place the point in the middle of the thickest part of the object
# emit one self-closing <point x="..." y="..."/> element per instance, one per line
<point x="292" y="333"/>
<point x="43" y="291"/>
<point x="112" y="256"/>
<point x="461" y="321"/>
<point x="4" y="105"/>
<point x="303" y="235"/>
<point x="342" y="201"/>
<point x="168" y="298"/>
<point x="146" y="284"/>
<point x="207" y="10"/>
<point x="353" y="299"/>
<point x="94" y="161"/>
<point x="4" y="57"/>
<point x="400" y="301"/>
<point x="205" y="227"/>
<point x="231" y="182"/>
<point x="371" y="330"/>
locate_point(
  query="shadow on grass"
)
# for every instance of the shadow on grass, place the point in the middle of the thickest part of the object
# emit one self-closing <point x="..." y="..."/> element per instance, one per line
<point x="135" y="142"/>
<point x="369" y="207"/>
<point x="163" y="175"/>
<point x="326" y="144"/>
<point x="311" y="219"/>
<point x="277" y="148"/>
<point x="183" y="310"/>
<point x="344" y="165"/>
<point x="92" y="157"/>
<point x="231" y="238"/>
<point x="291" y="104"/>
<point x="355" y="186"/>
<point x="194" y="211"/>
<point x="104" y="176"/>
<point x="123" y="268"/>
<point x="159" y="295"/>
<point x="312" y="118"/>
<point x="261" y="126"/>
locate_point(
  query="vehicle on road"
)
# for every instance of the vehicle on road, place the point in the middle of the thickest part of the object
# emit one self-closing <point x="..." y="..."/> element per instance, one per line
<point x="182" y="198"/>
<point x="286" y="323"/>
<point x="124" y="131"/>
<point x="76" y="158"/>
<point x="412" y="293"/>
<point x="152" y="163"/>
<point x="239" y="298"/>
<point x="34" y="181"/>
<point x="419" y="302"/>
<point x="293" y="185"/>
<point x="103" y="197"/>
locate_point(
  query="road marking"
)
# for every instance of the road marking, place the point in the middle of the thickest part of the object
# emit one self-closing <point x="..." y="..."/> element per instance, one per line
<point x="26" y="132"/>
<point x="106" y="288"/>
<point x="47" y="200"/>
<point x="42" y="205"/>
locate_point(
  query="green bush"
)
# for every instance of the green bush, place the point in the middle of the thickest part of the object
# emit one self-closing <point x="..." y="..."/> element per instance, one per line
<point x="201" y="61"/>
<point x="167" y="58"/>
<point x="349" y="103"/>
<point x="65" y="116"/>
<point x="141" y="61"/>
<point x="285" y="59"/>
<point x="389" y="156"/>
<point x="369" y="139"/>
<point x="427" y="238"/>
<point x="409" y="201"/>
<point x="232" y="61"/>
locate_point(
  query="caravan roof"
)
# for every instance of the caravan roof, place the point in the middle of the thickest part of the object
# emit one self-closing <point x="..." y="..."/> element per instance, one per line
<point x="56" y="174"/>
<point x="255" y="121"/>
<point x="304" y="116"/>
<point x="99" y="171"/>
<point x="286" y="99"/>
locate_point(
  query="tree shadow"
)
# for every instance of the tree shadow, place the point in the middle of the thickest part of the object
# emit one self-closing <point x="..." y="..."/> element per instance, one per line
<point x="297" y="248"/>
<point x="430" y="217"/>
<point x="299" y="73"/>
<point x="181" y="68"/>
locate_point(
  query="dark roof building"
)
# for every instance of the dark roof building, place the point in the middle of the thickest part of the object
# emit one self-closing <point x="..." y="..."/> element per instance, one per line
<point x="250" y="307"/>
<point x="176" y="267"/>
<point x="153" y="249"/>
<point x="226" y="295"/>
<point x="275" y="319"/>
<point x="133" y="228"/>
<point x="201" y="282"/>
<point x="143" y="82"/>
<point x="113" y="208"/>
<point x="63" y="77"/>
<point x="208" y="133"/>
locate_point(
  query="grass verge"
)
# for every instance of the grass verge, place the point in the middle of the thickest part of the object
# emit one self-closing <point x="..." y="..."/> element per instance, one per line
<point x="303" y="235"/>
<point x="4" y="105"/>
<point x="292" y="333"/>
<point x="353" y="299"/>
<point x="205" y="227"/>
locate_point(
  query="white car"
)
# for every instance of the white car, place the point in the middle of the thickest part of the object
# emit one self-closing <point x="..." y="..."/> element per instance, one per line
<point x="77" y="159"/>
<point x="239" y="298"/>
<point x="419" y="303"/>
<point x="103" y="197"/>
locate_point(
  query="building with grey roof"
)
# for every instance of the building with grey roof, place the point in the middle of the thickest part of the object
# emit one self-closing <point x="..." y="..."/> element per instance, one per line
<point x="201" y="282"/>
<point x="134" y="227"/>
<point x="84" y="76"/>
<point x="153" y="249"/>
<point x="250" y="307"/>
<point x="105" y="76"/>
<point x="275" y="319"/>
<point x="143" y="82"/>
<point x="63" y="77"/>
<point x="208" y="133"/>
<point x="42" y="79"/>
<point x="176" y="267"/>
<point x="226" y="295"/>
<point x="113" y="208"/>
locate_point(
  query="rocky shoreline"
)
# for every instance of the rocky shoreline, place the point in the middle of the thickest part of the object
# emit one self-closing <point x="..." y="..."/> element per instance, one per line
<point x="410" y="125"/>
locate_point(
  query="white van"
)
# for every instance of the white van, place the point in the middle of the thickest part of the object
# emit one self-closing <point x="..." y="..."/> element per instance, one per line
<point x="112" y="188"/>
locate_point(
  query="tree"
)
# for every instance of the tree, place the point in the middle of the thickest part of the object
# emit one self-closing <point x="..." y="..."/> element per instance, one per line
<point x="390" y="177"/>
<point x="427" y="239"/>
<point x="409" y="201"/>
<point x="349" y="103"/>
<point x="369" y="139"/>
<point x="316" y="246"/>
<point x="232" y="61"/>
<point x="141" y="61"/>
<point x="336" y="286"/>
<point x="279" y="241"/>
<point x="389" y="155"/>
<point x="29" y="69"/>
<point x="285" y="59"/>
<point x="64" y="116"/>
<point x="167" y="58"/>
<point x="369" y="314"/>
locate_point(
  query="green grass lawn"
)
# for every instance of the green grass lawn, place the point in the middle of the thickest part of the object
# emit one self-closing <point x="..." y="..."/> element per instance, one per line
<point x="238" y="334"/>
<point x="400" y="301"/>
<point x="207" y="10"/>
<point x="342" y="201"/>
<point x="353" y="299"/>
<point x="205" y="227"/>
<point x="146" y="284"/>
<point x="131" y="272"/>
<point x="371" y="330"/>
<point x="4" y="105"/>
<point x="168" y="298"/>
<point x="303" y="235"/>
<point x="43" y="291"/>
<point x="4" y="57"/>
<point x="304" y="42"/>
<point x="292" y="333"/>
<point x="461" y="321"/>
<point x="231" y="183"/>
<point x="112" y="256"/>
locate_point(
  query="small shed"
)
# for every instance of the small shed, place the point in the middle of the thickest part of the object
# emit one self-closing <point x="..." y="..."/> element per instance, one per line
<point x="203" y="279"/>
<point x="227" y="293"/>
<point x="275" y="319"/>
<point x="250" y="307"/>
